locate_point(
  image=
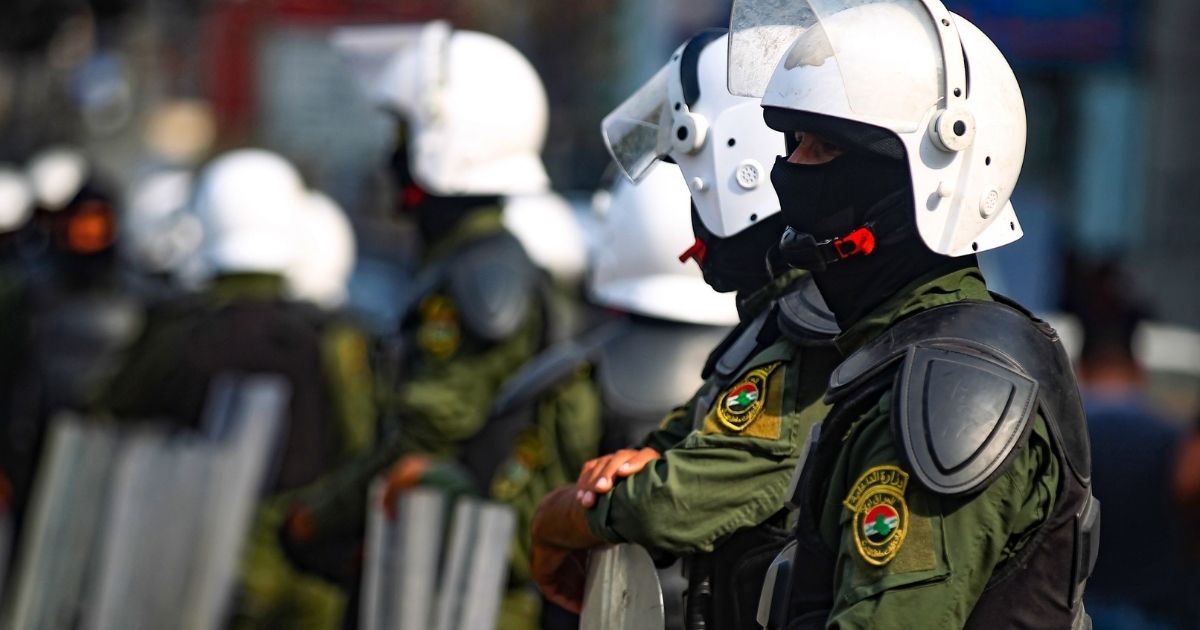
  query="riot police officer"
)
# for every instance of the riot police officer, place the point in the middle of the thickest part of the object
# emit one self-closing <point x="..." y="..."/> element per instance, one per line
<point x="708" y="486"/>
<point x="949" y="486"/>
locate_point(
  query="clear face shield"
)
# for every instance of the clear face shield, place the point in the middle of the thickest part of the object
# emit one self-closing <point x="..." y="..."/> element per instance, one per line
<point x="847" y="36"/>
<point x="637" y="133"/>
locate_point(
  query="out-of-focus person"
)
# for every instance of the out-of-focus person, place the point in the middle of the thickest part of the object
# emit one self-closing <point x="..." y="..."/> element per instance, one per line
<point x="471" y="120"/>
<point x="611" y="386"/>
<point x="252" y="204"/>
<point x="1143" y="577"/>
<point x="16" y="208"/>
<point x="77" y="317"/>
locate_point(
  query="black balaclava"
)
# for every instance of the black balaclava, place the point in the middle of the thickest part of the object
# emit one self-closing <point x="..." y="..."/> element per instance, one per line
<point x="870" y="186"/>
<point x="435" y="215"/>
<point x="737" y="263"/>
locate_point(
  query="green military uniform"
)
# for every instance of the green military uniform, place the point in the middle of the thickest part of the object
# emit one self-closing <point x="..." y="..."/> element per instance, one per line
<point x="727" y="459"/>
<point x="450" y="376"/>
<point x="906" y="557"/>
<point x="273" y="592"/>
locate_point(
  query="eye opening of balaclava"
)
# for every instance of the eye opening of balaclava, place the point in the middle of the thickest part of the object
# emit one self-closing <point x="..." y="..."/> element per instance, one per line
<point x="736" y="263"/>
<point x="851" y="221"/>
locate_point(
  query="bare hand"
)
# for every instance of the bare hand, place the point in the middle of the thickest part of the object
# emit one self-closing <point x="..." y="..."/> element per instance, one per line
<point x="599" y="475"/>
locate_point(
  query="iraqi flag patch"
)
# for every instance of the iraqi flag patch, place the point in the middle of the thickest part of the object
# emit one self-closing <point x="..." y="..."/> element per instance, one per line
<point x="880" y="514"/>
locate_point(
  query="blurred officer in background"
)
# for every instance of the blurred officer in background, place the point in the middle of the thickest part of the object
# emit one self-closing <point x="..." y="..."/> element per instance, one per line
<point x="1143" y="578"/>
<point x="471" y="118"/>
<point x="610" y="386"/>
<point x="949" y="486"/>
<point x="16" y="208"/>
<point x="709" y="485"/>
<point x="252" y="206"/>
<point x="77" y="317"/>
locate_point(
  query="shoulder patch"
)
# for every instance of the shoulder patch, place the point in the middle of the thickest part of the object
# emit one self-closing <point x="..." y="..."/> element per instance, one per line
<point x="876" y="500"/>
<point x="439" y="334"/>
<point x="751" y="407"/>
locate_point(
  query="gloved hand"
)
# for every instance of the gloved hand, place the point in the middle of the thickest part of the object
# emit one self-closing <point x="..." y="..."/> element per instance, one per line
<point x="561" y="539"/>
<point x="599" y="475"/>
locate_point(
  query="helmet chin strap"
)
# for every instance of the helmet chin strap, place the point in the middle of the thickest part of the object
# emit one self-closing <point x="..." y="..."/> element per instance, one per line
<point x="803" y="251"/>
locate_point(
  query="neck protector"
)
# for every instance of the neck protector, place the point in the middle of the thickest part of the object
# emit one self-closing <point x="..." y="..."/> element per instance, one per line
<point x="851" y="224"/>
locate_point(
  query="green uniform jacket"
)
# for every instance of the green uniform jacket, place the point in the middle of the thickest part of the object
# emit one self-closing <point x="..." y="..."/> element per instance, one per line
<point x="725" y="468"/>
<point x="950" y="546"/>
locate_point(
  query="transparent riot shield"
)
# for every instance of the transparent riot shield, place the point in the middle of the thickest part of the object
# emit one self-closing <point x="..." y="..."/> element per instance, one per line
<point x="476" y="565"/>
<point x="622" y="591"/>
<point x="135" y="528"/>
<point x="179" y="511"/>
<point x="401" y="564"/>
<point x="238" y="477"/>
<point x="69" y="496"/>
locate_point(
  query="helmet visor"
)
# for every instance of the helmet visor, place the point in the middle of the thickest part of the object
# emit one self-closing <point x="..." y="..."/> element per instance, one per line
<point x="637" y="132"/>
<point x="868" y="39"/>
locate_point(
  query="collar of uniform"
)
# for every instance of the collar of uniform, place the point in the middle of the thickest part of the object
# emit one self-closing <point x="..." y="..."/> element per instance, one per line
<point x="754" y="303"/>
<point x="479" y="223"/>
<point x="235" y="286"/>
<point x="935" y="289"/>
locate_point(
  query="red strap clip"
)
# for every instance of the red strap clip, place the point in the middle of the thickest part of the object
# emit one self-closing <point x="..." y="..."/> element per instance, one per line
<point x="860" y="241"/>
<point x="697" y="251"/>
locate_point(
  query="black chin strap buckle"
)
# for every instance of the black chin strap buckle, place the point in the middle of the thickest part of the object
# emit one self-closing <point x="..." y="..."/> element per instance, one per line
<point x="802" y="251"/>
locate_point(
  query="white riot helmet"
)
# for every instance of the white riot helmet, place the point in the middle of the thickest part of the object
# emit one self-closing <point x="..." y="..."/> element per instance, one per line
<point x="900" y="66"/>
<point x="636" y="266"/>
<point x="158" y="232"/>
<point x="475" y="108"/>
<point x="16" y="199"/>
<point x="685" y="114"/>
<point x="249" y="203"/>
<point x="550" y="232"/>
<point x="325" y="259"/>
<point x="58" y="174"/>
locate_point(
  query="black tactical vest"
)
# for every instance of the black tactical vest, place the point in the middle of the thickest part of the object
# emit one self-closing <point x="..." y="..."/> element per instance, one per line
<point x="1004" y="368"/>
<point x="256" y="337"/>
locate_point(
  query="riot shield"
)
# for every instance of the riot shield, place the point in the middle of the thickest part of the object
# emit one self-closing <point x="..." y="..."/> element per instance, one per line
<point x="136" y="528"/>
<point x="401" y="565"/>
<point x="476" y="565"/>
<point x="68" y="500"/>
<point x="622" y="591"/>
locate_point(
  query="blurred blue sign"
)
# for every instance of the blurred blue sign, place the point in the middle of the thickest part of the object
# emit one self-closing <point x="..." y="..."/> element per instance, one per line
<point x="1058" y="31"/>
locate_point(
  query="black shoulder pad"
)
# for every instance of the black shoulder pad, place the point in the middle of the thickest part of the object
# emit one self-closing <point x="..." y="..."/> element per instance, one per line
<point x="551" y="367"/>
<point x="959" y="416"/>
<point x="968" y="377"/>
<point x="494" y="285"/>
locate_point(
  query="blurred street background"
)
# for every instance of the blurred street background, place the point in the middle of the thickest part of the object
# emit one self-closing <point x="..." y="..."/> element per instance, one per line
<point x="1108" y="195"/>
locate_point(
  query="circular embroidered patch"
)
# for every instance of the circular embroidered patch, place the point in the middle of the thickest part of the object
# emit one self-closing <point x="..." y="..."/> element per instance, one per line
<point x="743" y="402"/>
<point x="439" y="333"/>
<point x="880" y="513"/>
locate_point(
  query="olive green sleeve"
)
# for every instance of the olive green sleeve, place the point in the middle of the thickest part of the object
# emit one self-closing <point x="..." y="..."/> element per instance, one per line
<point x="951" y="546"/>
<point x="706" y="488"/>
<point x="448" y="401"/>
<point x="674" y="428"/>
<point x="347" y="370"/>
